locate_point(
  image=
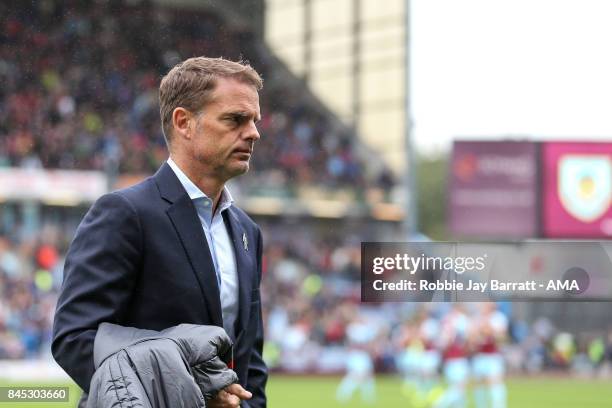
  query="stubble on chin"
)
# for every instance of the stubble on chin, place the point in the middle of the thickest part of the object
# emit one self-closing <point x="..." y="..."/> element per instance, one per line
<point x="244" y="168"/>
<point x="236" y="170"/>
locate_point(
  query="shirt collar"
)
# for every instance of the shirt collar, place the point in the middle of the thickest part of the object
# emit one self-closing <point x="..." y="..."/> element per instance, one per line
<point x="194" y="192"/>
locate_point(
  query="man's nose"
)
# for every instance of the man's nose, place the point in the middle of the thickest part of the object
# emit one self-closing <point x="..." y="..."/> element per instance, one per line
<point x="252" y="132"/>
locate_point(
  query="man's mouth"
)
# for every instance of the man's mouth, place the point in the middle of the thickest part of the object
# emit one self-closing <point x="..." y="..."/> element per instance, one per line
<point x="241" y="152"/>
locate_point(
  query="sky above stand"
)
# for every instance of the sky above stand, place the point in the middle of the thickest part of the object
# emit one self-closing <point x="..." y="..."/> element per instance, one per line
<point x="521" y="69"/>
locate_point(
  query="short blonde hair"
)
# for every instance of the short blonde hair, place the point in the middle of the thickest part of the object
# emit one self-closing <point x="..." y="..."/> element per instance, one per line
<point x="190" y="84"/>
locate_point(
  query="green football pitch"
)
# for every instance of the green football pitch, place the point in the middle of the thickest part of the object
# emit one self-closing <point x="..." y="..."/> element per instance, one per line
<point x="318" y="392"/>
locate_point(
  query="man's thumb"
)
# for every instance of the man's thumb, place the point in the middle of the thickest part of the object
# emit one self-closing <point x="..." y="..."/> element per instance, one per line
<point x="237" y="390"/>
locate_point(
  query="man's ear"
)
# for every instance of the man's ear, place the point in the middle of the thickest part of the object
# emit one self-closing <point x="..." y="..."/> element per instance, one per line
<point x="181" y="121"/>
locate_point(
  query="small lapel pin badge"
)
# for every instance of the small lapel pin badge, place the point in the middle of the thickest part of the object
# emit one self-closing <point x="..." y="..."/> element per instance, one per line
<point x="245" y="241"/>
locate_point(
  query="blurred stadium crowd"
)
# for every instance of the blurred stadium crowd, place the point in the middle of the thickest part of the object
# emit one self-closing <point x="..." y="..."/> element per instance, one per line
<point x="85" y="97"/>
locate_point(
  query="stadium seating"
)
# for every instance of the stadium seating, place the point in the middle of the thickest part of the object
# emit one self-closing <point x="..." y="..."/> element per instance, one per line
<point x="84" y="96"/>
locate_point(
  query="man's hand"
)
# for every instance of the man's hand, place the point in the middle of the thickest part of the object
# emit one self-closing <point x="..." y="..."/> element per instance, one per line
<point x="229" y="397"/>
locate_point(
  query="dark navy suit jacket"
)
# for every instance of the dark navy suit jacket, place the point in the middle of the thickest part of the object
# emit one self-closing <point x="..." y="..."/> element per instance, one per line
<point x="140" y="259"/>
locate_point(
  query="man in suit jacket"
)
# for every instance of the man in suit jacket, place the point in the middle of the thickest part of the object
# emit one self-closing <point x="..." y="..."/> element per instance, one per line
<point x="174" y="249"/>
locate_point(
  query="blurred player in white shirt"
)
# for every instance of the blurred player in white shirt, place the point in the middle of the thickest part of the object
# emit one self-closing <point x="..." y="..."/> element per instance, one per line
<point x="359" y="365"/>
<point x="429" y="332"/>
<point x="420" y="358"/>
<point x="409" y="357"/>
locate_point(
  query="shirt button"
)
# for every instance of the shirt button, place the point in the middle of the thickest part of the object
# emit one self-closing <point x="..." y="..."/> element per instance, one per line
<point x="206" y="203"/>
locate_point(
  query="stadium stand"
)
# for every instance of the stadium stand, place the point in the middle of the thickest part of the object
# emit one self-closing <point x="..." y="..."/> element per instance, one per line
<point x="85" y="97"/>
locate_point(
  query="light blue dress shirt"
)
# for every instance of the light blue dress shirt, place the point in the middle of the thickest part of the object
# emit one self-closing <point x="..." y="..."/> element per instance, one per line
<point x="219" y="243"/>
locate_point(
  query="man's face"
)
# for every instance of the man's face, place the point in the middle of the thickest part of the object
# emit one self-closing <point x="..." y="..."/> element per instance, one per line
<point x="225" y="131"/>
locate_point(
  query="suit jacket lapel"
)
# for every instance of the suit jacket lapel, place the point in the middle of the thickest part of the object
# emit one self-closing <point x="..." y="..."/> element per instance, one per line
<point x="185" y="219"/>
<point x="244" y="266"/>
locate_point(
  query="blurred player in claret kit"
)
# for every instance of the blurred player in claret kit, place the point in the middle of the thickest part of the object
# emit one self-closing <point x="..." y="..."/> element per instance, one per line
<point x="456" y="366"/>
<point x="489" y="331"/>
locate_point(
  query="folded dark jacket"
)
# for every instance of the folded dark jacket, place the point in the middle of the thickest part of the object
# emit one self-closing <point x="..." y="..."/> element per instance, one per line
<point x="177" y="367"/>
